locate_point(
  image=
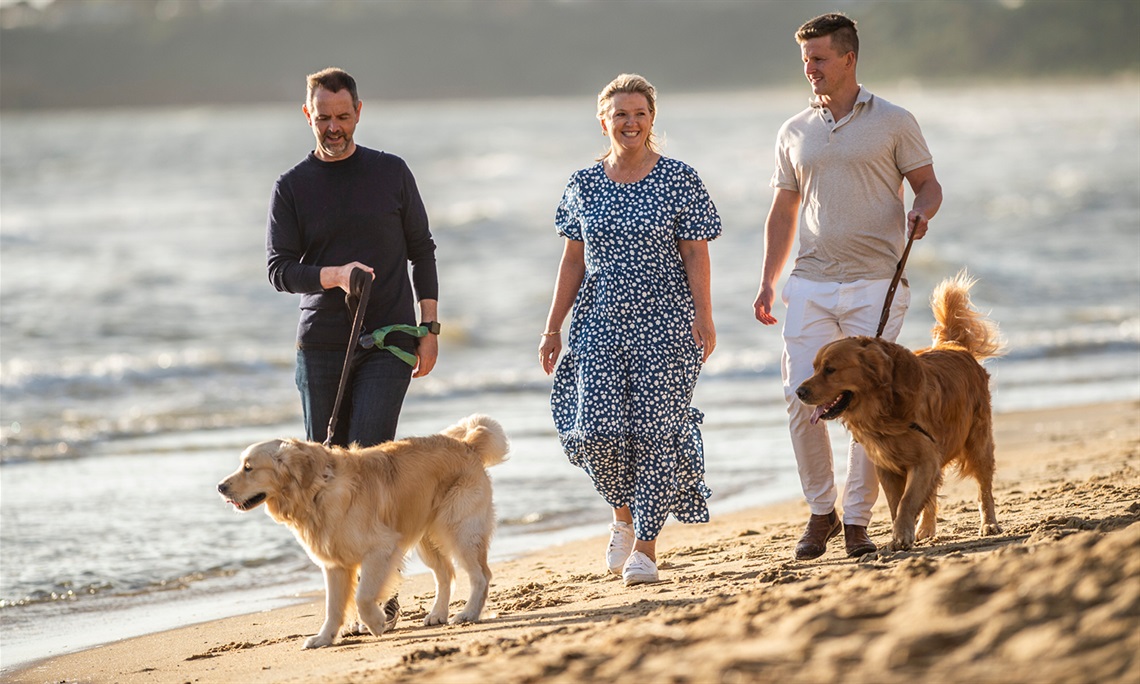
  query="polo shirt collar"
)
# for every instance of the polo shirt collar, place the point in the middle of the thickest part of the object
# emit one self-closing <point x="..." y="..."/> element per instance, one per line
<point x="863" y="97"/>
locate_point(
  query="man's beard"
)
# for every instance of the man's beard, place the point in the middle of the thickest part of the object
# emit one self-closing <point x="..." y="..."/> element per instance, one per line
<point x="336" y="146"/>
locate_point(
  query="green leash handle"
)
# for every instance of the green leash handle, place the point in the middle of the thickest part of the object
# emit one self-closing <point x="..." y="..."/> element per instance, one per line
<point x="376" y="339"/>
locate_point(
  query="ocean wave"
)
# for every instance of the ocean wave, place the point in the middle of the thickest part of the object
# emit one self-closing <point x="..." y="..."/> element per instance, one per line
<point x="67" y="408"/>
<point x="69" y="591"/>
<point x="81" y="377"/>
<point x="1086" y="340"/>
<point x="84" y="376"/>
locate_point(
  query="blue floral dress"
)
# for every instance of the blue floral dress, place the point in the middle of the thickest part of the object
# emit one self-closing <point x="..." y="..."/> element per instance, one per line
<point x="623" y="391"/>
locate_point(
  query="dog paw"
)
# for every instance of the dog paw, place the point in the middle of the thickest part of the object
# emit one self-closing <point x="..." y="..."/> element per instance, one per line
<point x="355" y="629"/>
<point x="991" y="529"/>
<point x="464" y="617"/>
<point x="317" y="641"/>
<point x="434" y="619"/>
<point x="902" y="542"/>
<point x="902" y="536"/>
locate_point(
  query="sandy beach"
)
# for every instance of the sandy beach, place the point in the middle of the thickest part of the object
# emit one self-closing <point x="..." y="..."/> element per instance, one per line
<point x="1055" y="598"/>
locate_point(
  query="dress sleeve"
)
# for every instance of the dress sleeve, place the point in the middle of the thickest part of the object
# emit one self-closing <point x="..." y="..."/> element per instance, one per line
<point x="698" y="219"/>
<point x="568" y="218"/>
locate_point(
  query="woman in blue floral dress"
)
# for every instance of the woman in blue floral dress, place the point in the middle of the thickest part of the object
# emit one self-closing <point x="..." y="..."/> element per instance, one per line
<point x="635" y="271"/>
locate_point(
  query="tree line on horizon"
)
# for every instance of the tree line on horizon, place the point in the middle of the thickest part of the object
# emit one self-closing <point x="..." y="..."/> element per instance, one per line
<point x="224" y="51"/>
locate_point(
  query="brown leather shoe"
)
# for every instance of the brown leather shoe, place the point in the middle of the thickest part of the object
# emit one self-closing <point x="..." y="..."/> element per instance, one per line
<point x="857" y="542"/>
<point x="820" y="528"/>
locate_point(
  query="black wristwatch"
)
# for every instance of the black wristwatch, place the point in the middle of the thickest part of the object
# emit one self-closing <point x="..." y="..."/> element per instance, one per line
<point x="432" y="326"/>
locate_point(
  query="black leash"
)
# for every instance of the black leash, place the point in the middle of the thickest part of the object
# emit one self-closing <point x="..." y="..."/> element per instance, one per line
<point x="359" y="287"/>
<point x="894" y="286"/>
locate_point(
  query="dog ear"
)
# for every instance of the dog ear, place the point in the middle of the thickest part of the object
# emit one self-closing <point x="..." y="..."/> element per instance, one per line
<point x="296" y="458"/>
<point x="906" y="381"/>
<point x="896" y="374"/>
<point x="879" y="364"/>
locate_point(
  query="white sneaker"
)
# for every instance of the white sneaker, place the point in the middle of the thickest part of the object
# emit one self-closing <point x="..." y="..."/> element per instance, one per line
<point x="639" y="570"/>
<point x="621" y="545"/>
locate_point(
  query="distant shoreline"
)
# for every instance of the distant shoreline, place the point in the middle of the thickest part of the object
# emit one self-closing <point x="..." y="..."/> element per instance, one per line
<point x="1126" y="78"/>
<point x="134" y="54"/>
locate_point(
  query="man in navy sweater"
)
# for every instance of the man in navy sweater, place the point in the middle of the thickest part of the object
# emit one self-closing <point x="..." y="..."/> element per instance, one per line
<point x="346" y="207"/>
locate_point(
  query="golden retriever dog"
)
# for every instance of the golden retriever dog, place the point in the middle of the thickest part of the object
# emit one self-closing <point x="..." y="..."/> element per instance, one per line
<point x="916" y="413"/>
<point x="359" y="511"/>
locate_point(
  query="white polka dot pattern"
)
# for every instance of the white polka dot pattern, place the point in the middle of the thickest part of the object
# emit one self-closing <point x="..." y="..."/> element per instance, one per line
<point x="623" y="391"/>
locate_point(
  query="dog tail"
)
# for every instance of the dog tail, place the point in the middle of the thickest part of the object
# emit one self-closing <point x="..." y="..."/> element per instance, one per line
<point x="958" y="323"/>
<point x="483" y="434"/>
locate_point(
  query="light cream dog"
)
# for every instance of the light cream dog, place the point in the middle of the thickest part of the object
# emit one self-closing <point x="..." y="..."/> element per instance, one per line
<point x="917" y="412"/>
<point x="361" y="510"/>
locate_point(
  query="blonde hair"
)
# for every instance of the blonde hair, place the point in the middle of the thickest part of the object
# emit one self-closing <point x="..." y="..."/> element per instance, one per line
<point x="629" y="83"/>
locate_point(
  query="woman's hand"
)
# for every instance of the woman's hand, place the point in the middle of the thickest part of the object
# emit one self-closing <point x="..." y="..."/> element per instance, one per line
<point x="704" y="335"/>
<point x="571" y="271"/>
<point x="695" y="255"/>
<point x="549" y="350"/>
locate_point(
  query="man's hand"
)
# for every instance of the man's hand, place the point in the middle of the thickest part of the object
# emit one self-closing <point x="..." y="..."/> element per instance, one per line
<point x="916" y="224"/>
<point x="427" y="351"/>
<point x="341" y="276"/>
<point x="763" y="305"/>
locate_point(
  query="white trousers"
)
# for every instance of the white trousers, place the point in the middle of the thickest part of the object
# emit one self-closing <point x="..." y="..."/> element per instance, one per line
<point x="818" y="313"/>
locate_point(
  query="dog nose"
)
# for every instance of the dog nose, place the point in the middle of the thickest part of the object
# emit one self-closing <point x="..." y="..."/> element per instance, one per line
<point x="803" y="393"/>
<point x="222" y="488"/>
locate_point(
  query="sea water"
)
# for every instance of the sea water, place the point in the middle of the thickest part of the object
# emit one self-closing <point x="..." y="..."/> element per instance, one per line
<point x="142" y="346"/>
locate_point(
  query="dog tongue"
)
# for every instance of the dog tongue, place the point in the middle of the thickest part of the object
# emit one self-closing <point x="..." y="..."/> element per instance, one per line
<point x="817" y="414"/>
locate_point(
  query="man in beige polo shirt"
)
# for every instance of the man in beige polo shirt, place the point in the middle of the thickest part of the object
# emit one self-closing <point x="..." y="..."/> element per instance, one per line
<point x="840" y="164"/>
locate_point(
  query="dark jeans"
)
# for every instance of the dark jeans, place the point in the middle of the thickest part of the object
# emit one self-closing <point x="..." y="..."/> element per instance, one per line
<point x="372" y="399"/>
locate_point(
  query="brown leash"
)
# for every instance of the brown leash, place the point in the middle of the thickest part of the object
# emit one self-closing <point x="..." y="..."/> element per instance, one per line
<point x="359" y="287"/>
<point x="887" y="313"/>
<point x="894" y="286"/>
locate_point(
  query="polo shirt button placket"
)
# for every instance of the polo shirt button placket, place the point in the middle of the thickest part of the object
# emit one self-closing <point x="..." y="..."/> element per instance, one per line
<point x="830" y="123"/>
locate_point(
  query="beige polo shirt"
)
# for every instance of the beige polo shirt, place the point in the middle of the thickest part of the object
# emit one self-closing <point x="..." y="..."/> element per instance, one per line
<point x="849" y="173"/>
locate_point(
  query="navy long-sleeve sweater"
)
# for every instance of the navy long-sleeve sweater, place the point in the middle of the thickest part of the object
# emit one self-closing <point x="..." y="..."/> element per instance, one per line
<point x="365" y="208"/>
